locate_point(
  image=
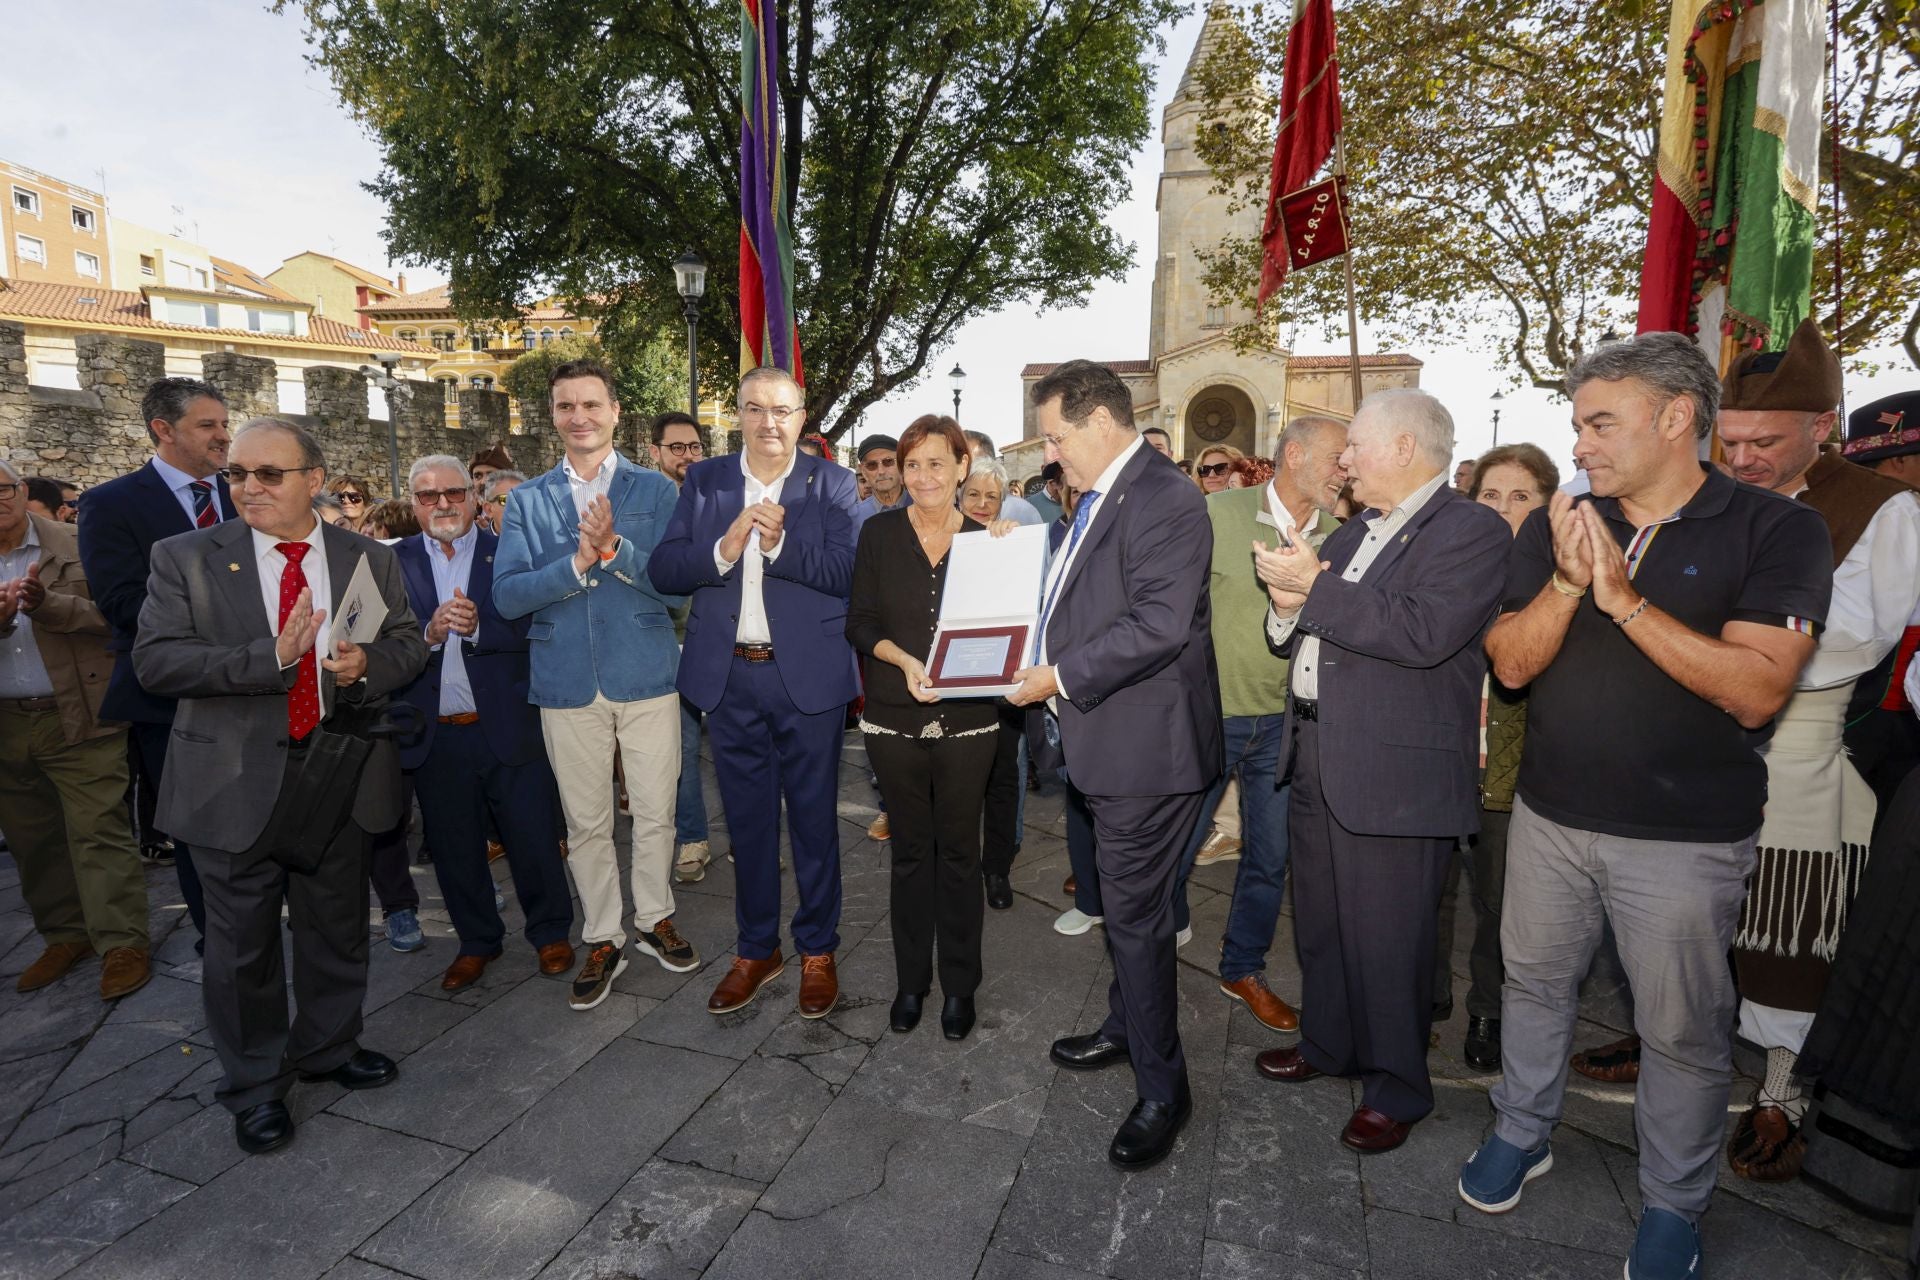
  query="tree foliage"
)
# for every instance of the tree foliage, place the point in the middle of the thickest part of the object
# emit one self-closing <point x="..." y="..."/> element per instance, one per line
<point x="1501" y="161"/>
<point x="945" y="158"/>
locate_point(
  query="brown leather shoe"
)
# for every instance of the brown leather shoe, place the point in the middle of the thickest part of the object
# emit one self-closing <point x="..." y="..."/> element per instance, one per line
<point x="123" y="971"/>
<point x="52" y="965"/>
<point x="1286" y="1064"/>
<point x="1369" y="1132"/>
<point x="556" y="958"/>
<point x="819" y="985"/>
<point x="1616" y="1063"/>
<point x="465" y="971"/>
<point x="495" y="851"/>
<point x="1271" y="1011"/>
<point x="1767" y="1145"/>
<point x="743" y="982"/>
<point x="1071" y="885"/>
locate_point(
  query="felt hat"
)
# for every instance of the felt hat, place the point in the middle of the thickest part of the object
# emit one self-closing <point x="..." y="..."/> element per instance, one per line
<point x="1804" y="378"/>
<point x="1887" y="428"/>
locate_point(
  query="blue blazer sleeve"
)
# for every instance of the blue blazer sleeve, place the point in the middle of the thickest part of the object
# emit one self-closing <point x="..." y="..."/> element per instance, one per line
<point x="521" y="587"/>
<point x="682" y="561"/>
<point x="827" y="567"/>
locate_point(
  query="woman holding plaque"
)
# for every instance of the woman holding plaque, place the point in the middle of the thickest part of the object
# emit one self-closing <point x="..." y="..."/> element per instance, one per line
<point x="932" y="756"/>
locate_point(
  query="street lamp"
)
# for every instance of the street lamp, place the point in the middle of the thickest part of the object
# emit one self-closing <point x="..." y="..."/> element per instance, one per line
<point x="690" y="276"/>
<point x="383" y="378"/>
<point x="958" y="377"/>
<point x="1496" y="398"/>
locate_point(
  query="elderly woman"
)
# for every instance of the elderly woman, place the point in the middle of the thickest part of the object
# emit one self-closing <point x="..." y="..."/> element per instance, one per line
<point x="1214" y="466"/>
<point x="932" y="757"/>
<point x="1515" y="480"/>
<point x="985" y="491"/>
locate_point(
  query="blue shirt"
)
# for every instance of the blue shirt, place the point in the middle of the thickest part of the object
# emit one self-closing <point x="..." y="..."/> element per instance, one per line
<point x="22" y="672"/>
<point x="1018" y="509"/>
<point x="178" y="483"/>
<point x="868" y="507"/>
<point x="456" y="693"/>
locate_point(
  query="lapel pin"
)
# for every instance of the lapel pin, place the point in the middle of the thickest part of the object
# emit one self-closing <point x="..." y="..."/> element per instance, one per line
<point x="1405" y="536"/>
<point x="233" y="568"/>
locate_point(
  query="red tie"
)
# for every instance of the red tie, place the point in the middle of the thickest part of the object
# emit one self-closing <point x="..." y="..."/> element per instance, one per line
<point x="303" y="703"/>
<point x="205" y="516"/>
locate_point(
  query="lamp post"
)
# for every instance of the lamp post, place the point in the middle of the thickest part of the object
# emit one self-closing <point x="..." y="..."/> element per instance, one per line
<point x="1496" y="398"/>
<point x="383" y="378"/>
<point x="958" y="377"/>
<point x="690" y="276"/>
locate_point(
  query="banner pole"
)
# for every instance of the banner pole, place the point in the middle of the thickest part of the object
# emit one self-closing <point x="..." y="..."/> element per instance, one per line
<point x="1346" y="264"/>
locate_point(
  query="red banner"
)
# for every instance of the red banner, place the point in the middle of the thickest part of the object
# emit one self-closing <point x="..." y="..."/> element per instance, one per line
<point x="1309" y="119"/>
<point x="1313" y="221"/>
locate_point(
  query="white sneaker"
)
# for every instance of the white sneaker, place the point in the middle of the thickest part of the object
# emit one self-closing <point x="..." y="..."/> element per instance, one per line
<point x="1219" y="847"/>
<point x="1182" y="938"/>
<point x="1073" y="922"/>
<point x="690" y="866"/>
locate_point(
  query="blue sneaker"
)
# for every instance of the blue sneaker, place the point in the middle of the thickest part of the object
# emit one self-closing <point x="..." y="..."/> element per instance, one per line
<point x="403" y="930"/>
<point x="1666" y="1248"/>
<point x="1492" y="1178"/>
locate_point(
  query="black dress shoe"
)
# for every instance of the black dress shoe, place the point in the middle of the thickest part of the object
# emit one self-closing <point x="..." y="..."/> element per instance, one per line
<point x="1149" y="1132"/>
<point x="905" y="1014"/>
<point x="266" y="1127"/>
<point x="364" y="1070"/>
<point x="999" y="892"/>
<point x="1443" y="1009"/>
<point x="1087" y="1053"/>
<point x="1483" y="1043"/>
<point x="956" y="1017"/>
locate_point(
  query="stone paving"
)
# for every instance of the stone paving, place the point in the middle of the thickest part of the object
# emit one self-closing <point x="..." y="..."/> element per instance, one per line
<point x="647" y="1138"/>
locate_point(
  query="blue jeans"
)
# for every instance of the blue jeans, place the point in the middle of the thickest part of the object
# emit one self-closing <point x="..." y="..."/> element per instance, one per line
<point x="690" y="802"/>
<point x="1252" y="748"/>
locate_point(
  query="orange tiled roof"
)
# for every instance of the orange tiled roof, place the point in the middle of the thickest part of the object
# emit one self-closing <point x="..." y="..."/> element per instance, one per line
<point x="1385" y="360"/>
<point x="35" y="300"/>
<point x="440" y="299"/>
<point x="1118" y="366"/>
<point x="235" y="276"/>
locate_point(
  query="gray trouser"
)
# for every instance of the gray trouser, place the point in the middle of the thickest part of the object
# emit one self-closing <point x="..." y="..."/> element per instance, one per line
<point x="1674" y="907"/>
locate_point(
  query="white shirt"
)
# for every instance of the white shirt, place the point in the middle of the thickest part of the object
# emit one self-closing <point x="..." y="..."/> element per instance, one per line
<point x="449" y="572"/>
<point x="1876" y="589"/>
<point x="180" y="483"/>
<point x="1380" y="534"/>
<point x="586" y="488"/>
<point x="753" y="628"/>
<point x="1098" y="493"/>
<point x="273" y="563"/>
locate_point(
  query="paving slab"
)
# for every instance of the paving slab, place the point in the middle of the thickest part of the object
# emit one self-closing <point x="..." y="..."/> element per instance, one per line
<point x="755" y="1122"/>
<point x="199" y="1147"/>
<point x="511" y="1207"/>
<point x="22" y="1083"/>
<point x="118" y="1097"/>
<point x="1409" y="1247"/>
<point x="1225" y="1261"/>
<point x="667" y="1223"/>
<point x="76" y="1222"/>
<point x="999" y="1264"/>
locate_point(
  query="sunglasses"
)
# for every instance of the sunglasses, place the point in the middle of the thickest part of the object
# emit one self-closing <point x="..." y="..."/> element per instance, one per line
<point x="268" y="476"/>
<point x="497" y="500"/>
<point x="880" y="464"/>
<point x="1215" y="468"/>
<point x="434" y="497"/>
<point x="354" y="498"/>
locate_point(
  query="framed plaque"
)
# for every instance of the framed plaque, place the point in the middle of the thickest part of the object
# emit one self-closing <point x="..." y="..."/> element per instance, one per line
<point x="972" y="657"/>
<point x="987" y="612"/>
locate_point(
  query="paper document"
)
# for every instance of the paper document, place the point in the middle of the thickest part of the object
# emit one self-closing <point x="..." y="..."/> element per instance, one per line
<point x="975" y="656"/>
<point x="362" y="608"/>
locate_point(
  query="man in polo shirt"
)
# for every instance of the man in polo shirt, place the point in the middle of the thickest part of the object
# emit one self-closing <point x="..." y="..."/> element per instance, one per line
<point x="880" y="463"/>
<point x="1662" y="625"/>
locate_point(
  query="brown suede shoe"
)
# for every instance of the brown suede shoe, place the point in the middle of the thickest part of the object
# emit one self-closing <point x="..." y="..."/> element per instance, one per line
<point x="52" y="965"/>
<point x="743" y="982"/>
<point x="123" y="971"/>
<point x="819" y="985"/>
<point x="1616" y="1063"/>
<point x="1271" y="1011"/>
<point x="465" y="971"/>
<point x="556" y="958"/>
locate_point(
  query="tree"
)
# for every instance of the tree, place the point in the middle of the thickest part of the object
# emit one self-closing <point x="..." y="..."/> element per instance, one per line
<point x="651" y="376"/>
<point x="1501" y="164"/>
<point x="945" y="158"/>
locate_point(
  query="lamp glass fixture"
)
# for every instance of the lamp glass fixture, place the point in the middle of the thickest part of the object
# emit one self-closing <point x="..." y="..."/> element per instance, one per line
<point x="690" y="274"/>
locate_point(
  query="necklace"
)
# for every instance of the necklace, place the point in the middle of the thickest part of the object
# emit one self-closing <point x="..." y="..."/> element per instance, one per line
<point x="913" y="518"/>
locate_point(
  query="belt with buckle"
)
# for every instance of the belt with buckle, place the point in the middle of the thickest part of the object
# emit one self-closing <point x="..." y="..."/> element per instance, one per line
<point x="465" y="717"/>
<point x="32" y="704"/>
<point x="754" y="652"/>
<point x="1306" y="710"/>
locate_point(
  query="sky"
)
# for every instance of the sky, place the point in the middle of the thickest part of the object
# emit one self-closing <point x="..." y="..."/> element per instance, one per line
<point x="212" y="108"/>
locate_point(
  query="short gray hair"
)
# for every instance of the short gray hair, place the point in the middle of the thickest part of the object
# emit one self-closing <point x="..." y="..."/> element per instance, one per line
<point x="1303" y="429"/>
<point x="1669" y="365"/>
<point x="499" y="478"/>
<point x="12" y="471"/>
<point x="324" y="502"/>
<point x="437" y="462"/>
<point x="989" y="467"/>
<point x="1419" y="413"/>
<point x="311" y="455"/>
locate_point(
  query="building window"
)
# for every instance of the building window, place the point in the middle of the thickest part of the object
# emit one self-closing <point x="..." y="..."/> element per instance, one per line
<point x="269" y="321"/>
<point x="442" y="339"/>
<point x="200" y="278"/>
<point x="478" y="339"/>
<point x="566" y="333"/>
<point x="86" y="264"/>
<point x="480" y="382"/>
<point x="448" y="385"/>
<point x="83" y="219"/>
<point x="147" y="265"/>
<point x="526" y="339"/>
<point x="408" y="335"/>
<point x="200" y="314"/>
<point x="25" y="201"/>
<point x="28" y="249"/>
<point x="1216" y="318"/>
<point x="546" y="336"/>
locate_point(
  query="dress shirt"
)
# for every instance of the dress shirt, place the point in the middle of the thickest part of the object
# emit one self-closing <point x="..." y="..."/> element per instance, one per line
<point x="273" y="563"/>
<point x="869" y="507"/>
<point x="1875" y="590"/>
<point x="1020" y="511"/>
<point x="178" y="483"/>
<point x="456" y="692"/>
<point x="23" y="674"/>
<point x="1381" y="531"/>
<point x="753" y="627"/>
<point x="1070" y="550"/>
<point x="586" y="488"/>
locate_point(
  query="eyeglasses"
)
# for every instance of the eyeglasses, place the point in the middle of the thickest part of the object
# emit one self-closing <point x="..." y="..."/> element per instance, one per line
<point x="346" y="497"/>
<point x="434" y="497"/>
<point x="268" y="476"/>
<point x="880" y="464"/>
<point x="779" y="412"/>
<point x="1215" y="468"/>
<point x="681" y="448"/>
<point x="497" y="500"/>
<point x="7" y="492"/>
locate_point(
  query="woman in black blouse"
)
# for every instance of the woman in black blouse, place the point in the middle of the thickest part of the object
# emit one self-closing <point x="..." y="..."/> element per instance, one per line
<point x="932" y="757"/>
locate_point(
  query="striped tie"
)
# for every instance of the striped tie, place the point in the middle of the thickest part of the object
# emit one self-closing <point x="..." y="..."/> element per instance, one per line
<point x="205" y="515"/>
<point x="1081" y="514"/>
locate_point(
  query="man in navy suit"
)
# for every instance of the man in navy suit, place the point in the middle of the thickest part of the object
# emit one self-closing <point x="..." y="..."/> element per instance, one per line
<point x="179" y="489"/>
<point x="1384" y="731"/>
<point x="1124" y="656"/>
<point x="480" y="751"/>
<point x="764" y="545"/>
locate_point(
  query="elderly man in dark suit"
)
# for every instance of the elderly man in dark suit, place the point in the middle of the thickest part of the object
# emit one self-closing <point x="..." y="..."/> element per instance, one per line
<point x="235" y="626"/>
<point x="1384" y="733"/>
<point x="178" y="490"/>
<point x="1124" y="657"/>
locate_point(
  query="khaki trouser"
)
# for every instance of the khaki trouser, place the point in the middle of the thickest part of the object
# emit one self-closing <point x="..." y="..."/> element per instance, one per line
<point x="62" y="806"/>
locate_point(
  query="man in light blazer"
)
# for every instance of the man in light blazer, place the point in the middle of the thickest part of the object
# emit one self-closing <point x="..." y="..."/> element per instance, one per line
<point x="1124" y="656"/>
<point x="237" y="627"/>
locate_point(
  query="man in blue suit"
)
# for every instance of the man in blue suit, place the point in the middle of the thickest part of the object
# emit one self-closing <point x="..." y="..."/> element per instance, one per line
<point x="764" y="545"/>
<point x="179" y="489"/>
<point x="480" y="751"/>
<point x="573" y="554"/>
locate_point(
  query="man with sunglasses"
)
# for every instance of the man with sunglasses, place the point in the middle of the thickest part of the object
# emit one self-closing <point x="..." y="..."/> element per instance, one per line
<point x="178" y="490"/>
<point x="880" y="462"/>
<point x="492" y="493"/>
<point x="238" y="626"/>
<point x="677" y="445"/>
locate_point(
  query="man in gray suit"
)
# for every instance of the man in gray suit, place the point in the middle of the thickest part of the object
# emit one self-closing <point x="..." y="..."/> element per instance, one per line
<point x="230" y="628"/>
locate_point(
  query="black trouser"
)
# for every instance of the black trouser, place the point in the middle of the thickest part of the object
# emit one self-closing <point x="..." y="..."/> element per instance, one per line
<point x="148" y="747"/>
<point x="1081" y="854"/>
<point x="1488" y="860"/>
<point x="1004" y="790"/>
<point x="389" y="868"/>
<point x="244" y="977"/>
<point x="934" y="789"/>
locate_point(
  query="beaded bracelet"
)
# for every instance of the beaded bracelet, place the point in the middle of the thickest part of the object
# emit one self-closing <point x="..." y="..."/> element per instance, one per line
<point x="1637" y="611"/>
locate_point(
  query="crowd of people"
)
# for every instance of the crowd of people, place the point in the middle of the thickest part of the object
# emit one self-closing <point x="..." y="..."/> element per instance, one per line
<point x="1664" y="708"/>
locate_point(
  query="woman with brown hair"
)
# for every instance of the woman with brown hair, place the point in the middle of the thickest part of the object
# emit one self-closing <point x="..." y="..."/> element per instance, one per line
<point x="391" y="520"/>
<point x="1214" y="465"/>
<point x="355" y="499"/>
